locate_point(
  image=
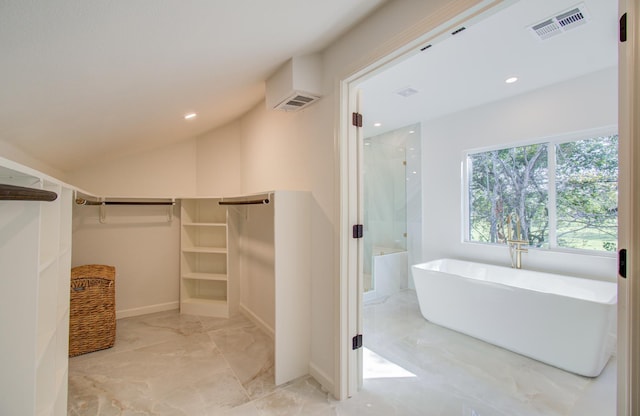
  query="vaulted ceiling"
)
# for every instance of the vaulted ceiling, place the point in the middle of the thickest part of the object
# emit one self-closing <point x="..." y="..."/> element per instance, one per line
<point x="84" y="80"/>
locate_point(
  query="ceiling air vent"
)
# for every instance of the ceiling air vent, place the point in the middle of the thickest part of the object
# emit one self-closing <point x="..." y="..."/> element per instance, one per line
<point x="561" y="22"/>
<point x="297" y="101"/>
<point x="407" y="91"/>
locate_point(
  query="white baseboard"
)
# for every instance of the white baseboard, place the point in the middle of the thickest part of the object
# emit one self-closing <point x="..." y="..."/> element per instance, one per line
<point x="321" y="377"/>
<point x="256" y="320"/>
<point x="143" y="310"/>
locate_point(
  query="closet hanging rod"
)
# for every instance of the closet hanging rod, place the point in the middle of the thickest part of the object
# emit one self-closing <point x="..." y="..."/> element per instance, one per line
<point x="249" y="202"/>
<point x="82" y="201"/>
<point x="20" y="193"/>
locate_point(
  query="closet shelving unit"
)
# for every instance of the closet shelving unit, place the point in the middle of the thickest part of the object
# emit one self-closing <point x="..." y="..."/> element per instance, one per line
<point x="204" y="280"/>
<point x="34" y="291"/>
<point x="251" y="254"/>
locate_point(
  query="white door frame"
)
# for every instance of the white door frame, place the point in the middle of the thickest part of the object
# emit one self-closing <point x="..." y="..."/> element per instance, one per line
<point x="629" y="212"/>
<point x="349" y="288"/>
<point x="346" y="363"/>
<point x="429" y="30"/>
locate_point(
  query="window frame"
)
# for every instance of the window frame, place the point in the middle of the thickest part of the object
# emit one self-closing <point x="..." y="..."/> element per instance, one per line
<point x="551" y="142"/>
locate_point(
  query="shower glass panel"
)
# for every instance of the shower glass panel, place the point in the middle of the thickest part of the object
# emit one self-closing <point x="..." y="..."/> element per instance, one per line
<point x="385" y="179"/>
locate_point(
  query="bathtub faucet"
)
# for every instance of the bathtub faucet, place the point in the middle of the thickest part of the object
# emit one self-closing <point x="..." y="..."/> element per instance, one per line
<point x="516" y="246"/>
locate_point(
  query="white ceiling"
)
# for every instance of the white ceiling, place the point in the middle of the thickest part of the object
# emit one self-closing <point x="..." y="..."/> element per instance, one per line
<point x="86" y="80"/>
<point x="469" y="69"/>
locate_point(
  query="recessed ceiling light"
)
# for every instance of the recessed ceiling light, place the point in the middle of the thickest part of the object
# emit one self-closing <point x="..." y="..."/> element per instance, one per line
<point x="377" y="124"/>
<point x="190" y="116"/>
<point x="411" y="132"/>
<point x="511" y="80"/>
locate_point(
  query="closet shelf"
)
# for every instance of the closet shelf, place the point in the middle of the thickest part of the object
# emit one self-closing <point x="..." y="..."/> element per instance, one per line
<point x="204" y="282"/>
<point x="62" y="317"/>
<point x="46" y="341"/>
<point x="46" y="262"/>
<point x="46" y="411"/>
<point x="205" y="276"/>
<point x="205" y="301"/>
<point x="62" y="377"/>
<point x="212" y="250"/>
<point x="64" y="249"/>
<point x="204" y="224"/>
<point x="33" y="301"/>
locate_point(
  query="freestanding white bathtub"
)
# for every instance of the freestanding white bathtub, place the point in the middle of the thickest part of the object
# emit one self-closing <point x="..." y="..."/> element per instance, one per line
<point x="567" y="322"/>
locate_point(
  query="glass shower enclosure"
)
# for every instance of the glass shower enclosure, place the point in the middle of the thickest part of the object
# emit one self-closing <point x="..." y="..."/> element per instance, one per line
<point x="391" y="167"/>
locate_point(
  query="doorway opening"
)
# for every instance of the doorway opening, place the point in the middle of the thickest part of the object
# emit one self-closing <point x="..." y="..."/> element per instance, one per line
<point x="443" y="236"/>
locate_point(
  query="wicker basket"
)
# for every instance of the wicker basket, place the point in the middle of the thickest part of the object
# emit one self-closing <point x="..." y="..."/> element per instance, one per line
<point x="92" y="316"/>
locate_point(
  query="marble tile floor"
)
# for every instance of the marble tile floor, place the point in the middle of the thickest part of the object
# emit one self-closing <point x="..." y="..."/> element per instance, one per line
<point x="454" y="374"/>
<point x="172" y="364"/>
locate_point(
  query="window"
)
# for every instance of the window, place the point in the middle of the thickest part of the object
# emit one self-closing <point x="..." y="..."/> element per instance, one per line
<point x="553" y="195"/>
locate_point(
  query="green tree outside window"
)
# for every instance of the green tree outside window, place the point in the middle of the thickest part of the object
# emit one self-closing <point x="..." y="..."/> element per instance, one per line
<point x="577" y="208"/>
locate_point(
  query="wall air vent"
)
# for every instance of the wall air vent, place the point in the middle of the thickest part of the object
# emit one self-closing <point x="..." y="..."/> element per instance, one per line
<point x="297" y="101"/>
<point x="296" y="84"/>
<point x="560" y="23"/>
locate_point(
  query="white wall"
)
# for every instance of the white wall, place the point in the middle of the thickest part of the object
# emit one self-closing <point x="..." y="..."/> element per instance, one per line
<point x="218" y="161"/>
<point x="275" y="150"/>
<point x="589" y="102"/>
<point x="255" y="225"/>
<point x="143" y="247"/>
<point x="137" y="240"/>
<point x="168" y="171"/>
